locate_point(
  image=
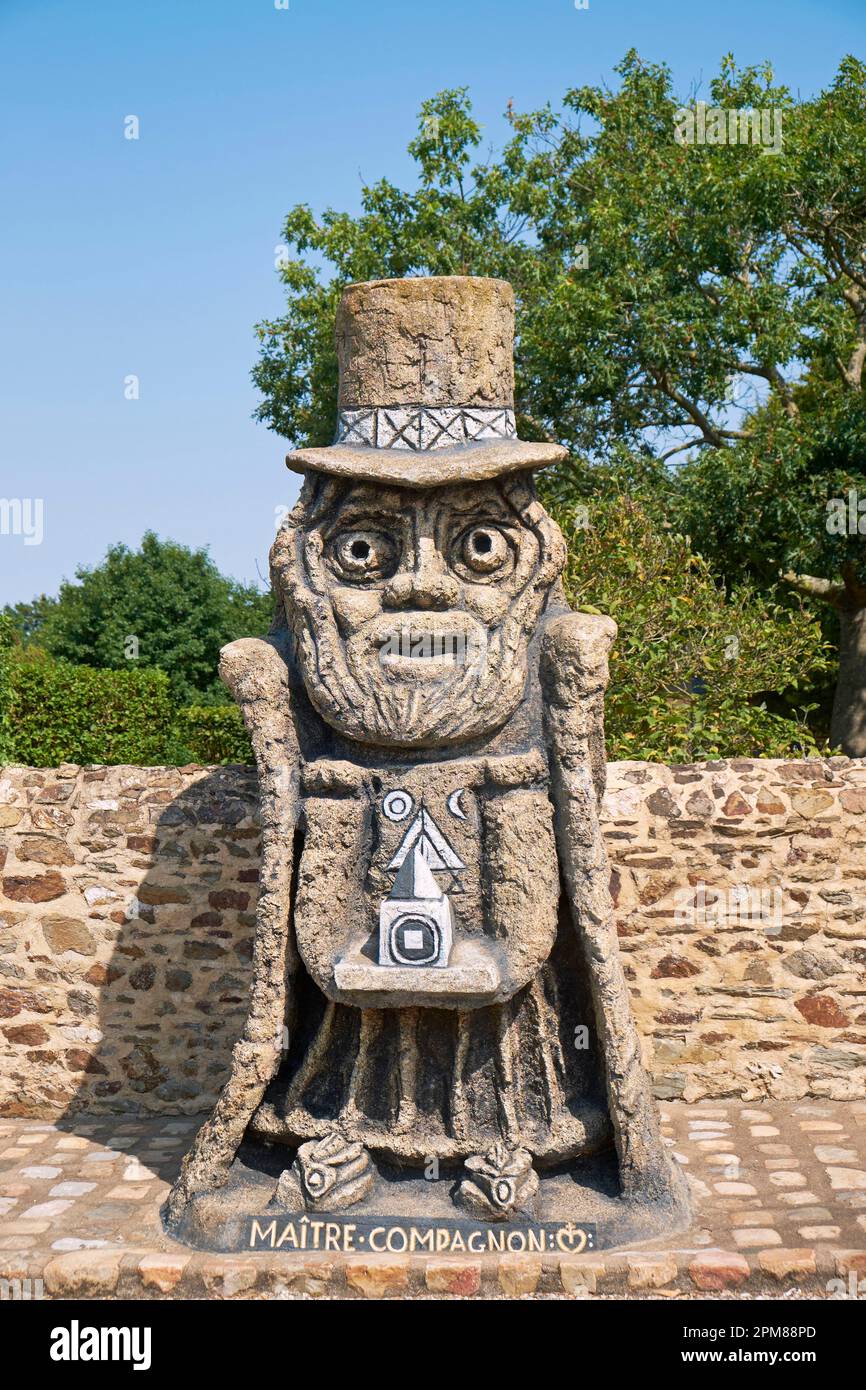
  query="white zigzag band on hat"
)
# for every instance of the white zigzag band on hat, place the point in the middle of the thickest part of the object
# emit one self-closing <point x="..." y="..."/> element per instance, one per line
<point x="421" y="427"/>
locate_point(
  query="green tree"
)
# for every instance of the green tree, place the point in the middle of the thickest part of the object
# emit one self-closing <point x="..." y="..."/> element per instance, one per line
<point x="458" y="221"/>
<point x="163" y="606"/>
<point x="722" y="319"/>
<point x="27" y="618"/>
<point x="789" y="496"/>
<point x="695" y="672"/>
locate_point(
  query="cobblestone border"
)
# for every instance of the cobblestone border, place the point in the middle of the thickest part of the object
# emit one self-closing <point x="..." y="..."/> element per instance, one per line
<point x="136" y="1274"/>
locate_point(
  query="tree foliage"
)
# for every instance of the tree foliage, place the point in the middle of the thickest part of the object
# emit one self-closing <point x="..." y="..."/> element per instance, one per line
<point x="457" y="221"/>
<point x="8" y="641"/>
<point x="163" y="607"/>
<point x="713" y="275"/>
<point x="209" y="734"/>
<point x="695" y="672"/>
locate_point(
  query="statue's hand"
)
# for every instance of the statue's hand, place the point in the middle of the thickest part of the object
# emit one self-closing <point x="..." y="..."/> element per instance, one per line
<point x="254" y="669"/>
<point x="574" y="654"/>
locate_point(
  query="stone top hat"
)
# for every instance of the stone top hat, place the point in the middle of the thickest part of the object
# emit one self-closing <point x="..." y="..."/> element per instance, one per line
<point x="426" y="385"/>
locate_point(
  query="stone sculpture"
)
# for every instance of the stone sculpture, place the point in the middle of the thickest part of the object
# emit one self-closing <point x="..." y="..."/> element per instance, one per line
<point x="436" y="985"/>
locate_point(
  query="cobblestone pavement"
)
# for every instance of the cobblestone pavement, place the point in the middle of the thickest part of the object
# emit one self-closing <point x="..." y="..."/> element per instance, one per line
<point x="779" y="1206"/>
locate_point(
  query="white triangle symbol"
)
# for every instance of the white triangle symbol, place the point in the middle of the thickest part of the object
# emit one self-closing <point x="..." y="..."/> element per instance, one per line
<point x="433" y="845"/>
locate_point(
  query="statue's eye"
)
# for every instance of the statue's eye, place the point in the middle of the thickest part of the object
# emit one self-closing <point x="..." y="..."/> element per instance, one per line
<point x="362" y="555"/>
<point x="483" y="552"/>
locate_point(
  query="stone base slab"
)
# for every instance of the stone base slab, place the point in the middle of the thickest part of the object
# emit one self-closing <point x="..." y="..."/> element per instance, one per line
<point x="779" y="1200"/>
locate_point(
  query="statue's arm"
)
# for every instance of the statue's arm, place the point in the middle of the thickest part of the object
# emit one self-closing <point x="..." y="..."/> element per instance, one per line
<point x="574" y="676"/>
<point x="256" y="672"/>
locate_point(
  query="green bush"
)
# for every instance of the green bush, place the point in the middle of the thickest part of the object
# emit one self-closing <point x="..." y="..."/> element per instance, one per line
<point x="7" y="643"/>
<point x="209" y="734"/>
<point x="696" y="672"/>
<point x="53" y="711"/>
<point x="166" y="603"/>
<point x="56" y="712"/>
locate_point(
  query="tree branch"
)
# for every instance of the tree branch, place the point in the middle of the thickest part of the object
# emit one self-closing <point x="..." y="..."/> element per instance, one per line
<point x="855" y="591"/>
<point x="695" y="414"/>
<point x="678" y="448"/>
<point x="771" y="373"/>
<point x="854" y="371"/>
<point x="823" y="589"/>
<point x="537" y="425"/>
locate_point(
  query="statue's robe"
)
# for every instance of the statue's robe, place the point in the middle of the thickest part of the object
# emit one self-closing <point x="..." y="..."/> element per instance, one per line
<point x="414" y="1081"/>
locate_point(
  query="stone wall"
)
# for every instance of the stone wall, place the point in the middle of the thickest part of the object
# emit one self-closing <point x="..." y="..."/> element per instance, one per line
<point x="740" y="891"/>
<point x="127" y="900"/>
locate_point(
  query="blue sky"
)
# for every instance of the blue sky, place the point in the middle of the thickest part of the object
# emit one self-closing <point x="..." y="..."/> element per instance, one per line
<point x="155" y="257"/>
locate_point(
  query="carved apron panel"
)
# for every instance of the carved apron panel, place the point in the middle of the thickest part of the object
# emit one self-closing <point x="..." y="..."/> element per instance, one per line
<point x="433" y="886"/>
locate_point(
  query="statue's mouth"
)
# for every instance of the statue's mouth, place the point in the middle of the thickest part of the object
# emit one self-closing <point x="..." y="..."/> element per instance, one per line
<point x="413" y="644"/>
<point x="430" y="643"/>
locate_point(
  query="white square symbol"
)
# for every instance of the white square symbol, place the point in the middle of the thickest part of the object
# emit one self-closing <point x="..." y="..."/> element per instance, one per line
<point x="413" y="940"/>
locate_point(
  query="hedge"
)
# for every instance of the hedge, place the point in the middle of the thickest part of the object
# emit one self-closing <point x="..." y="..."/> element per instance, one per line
<point x="53" y="712"/>
<point x="210" y="734"/>
<point x="6" y="647"/>
<point x="58" y="713"/>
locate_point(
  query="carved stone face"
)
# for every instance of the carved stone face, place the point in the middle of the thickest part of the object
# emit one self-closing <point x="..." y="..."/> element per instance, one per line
<point x="412" y="610"/>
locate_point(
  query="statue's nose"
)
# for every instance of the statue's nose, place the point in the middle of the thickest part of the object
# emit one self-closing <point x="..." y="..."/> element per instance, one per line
<point x="423" y="588"/>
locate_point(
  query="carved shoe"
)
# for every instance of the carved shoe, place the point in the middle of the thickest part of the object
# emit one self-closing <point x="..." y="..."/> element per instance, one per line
<point x="327" y="1174"/>
<point x="498" y="1184"/>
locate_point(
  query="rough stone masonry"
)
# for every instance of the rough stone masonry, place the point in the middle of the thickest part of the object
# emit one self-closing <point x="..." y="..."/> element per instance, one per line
<point x="127" y="902"/>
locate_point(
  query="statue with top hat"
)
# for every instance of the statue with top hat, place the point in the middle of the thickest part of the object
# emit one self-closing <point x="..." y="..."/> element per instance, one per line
<point x="436" y="991"/>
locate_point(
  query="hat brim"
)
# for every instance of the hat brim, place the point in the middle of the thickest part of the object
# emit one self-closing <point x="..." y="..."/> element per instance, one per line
<point x="422" y="468"/>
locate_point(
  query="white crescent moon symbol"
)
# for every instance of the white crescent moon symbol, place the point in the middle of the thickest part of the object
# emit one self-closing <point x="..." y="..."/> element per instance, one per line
<point x="454" y="804"/>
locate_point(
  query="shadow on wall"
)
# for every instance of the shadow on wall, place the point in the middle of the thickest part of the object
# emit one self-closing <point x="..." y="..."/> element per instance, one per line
<point x="178" y="899"/>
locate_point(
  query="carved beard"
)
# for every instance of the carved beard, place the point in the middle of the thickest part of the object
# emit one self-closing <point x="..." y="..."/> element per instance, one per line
<point x="406" y="702"/>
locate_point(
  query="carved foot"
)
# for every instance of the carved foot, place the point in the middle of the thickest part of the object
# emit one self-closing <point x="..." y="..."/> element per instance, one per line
<point x="498" y="1184"/>
<point x="327" y="1174"/>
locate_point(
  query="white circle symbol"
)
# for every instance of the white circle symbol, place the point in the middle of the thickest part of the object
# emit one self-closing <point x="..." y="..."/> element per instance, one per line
<point x="397" y="805"/>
